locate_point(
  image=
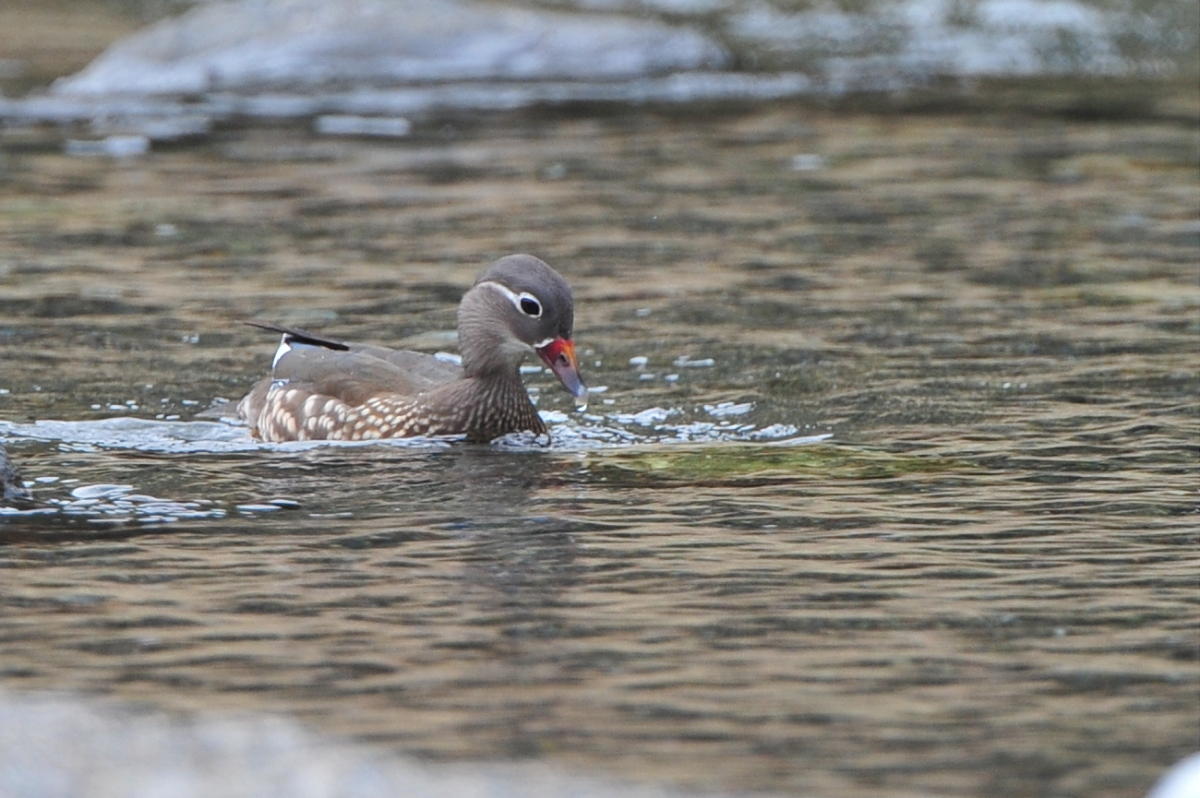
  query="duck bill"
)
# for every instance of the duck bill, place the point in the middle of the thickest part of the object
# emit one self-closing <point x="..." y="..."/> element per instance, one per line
<point x="559" y="355"/>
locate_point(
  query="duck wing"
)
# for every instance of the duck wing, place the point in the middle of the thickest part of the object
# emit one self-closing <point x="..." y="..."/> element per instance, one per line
<point x="355" y="375"/>
<point x="313" y="365"/>
<point x="306" y="358"/>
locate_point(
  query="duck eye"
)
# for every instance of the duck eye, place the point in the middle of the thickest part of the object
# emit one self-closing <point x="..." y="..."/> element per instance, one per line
<point x="530" y="306"/>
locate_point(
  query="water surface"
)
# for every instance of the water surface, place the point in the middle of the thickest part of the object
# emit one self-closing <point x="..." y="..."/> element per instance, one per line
<point x="900" y="501"/>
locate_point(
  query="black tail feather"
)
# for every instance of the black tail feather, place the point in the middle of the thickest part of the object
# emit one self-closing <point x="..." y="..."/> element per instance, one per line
<point x="301" y="336"/>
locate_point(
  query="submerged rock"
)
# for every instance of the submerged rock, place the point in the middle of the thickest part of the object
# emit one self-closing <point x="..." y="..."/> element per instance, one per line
<point x="257" y="44"/>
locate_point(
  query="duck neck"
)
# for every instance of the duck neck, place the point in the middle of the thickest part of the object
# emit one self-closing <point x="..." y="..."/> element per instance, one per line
<point x="493" y="405"/>
<point x="488" y="348"/>
<point x="491" y="394"/>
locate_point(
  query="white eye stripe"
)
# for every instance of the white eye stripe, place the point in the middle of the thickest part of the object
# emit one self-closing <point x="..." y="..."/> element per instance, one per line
<point x="517" y="299"/>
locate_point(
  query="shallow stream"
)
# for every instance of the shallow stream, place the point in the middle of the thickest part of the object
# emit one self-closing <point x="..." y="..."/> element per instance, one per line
<point x="890" y="486"/>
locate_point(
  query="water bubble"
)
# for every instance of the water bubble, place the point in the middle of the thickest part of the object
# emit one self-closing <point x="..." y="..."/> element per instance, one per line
<point x="352" y="125"/>
<point x="258" y="508"/>
<point x="121" y="146"/>
<point x="807" y="162"/>
<point x="100" y="491"/>
<point x="651" y="415"/>
<point x="725" y="409"/>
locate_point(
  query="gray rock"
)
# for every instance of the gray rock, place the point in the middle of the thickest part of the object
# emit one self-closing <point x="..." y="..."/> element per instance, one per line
<point x="65" y="746"/>
<point x="258" y="44"/>
<point x="384" y="60"/>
